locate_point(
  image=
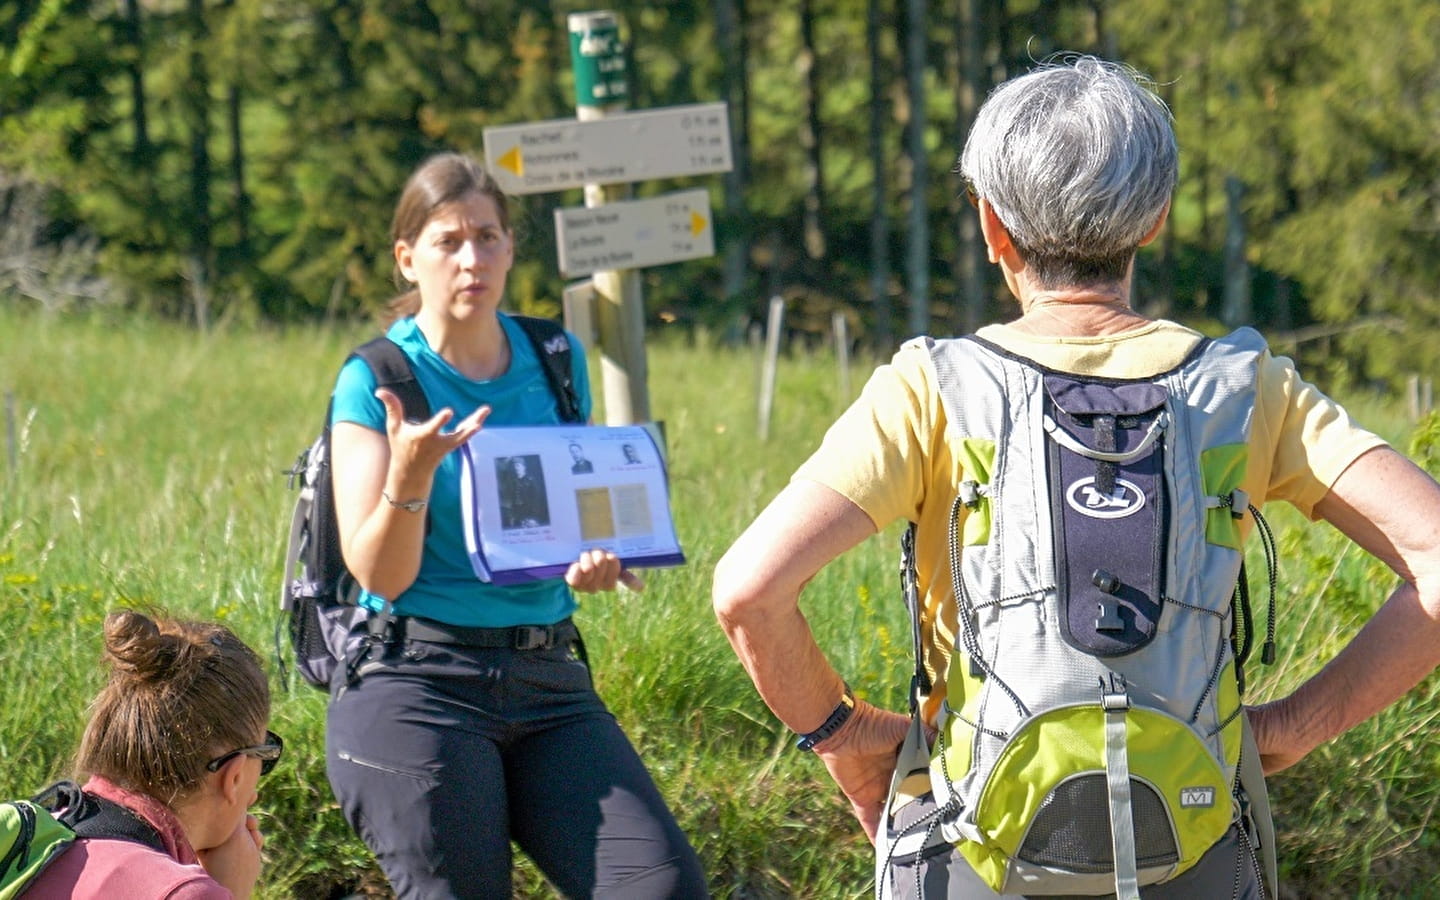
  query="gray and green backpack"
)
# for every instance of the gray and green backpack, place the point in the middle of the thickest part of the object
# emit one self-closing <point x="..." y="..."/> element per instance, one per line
<point x="1090" y="738"/>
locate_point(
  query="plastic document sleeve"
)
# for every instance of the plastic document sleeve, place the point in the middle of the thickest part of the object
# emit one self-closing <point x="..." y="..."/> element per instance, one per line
<point x="534" y="498"/>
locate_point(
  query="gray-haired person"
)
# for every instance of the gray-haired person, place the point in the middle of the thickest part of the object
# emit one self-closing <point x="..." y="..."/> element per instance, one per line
<point x="1071" y="168"/>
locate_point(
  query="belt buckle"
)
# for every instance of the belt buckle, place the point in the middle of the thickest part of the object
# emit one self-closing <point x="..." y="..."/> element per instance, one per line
<point x="534" y="637"/>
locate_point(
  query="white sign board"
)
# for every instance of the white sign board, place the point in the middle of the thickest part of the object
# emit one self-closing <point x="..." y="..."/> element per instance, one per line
<point x="635" y="233"/>
<point x="667" y="142"/>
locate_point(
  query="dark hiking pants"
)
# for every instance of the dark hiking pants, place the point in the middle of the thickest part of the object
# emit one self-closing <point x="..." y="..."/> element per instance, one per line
<point x="441" y="755"/>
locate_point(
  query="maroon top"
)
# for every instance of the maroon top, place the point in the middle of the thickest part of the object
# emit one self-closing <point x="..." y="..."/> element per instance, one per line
<point x="116" y="869"/>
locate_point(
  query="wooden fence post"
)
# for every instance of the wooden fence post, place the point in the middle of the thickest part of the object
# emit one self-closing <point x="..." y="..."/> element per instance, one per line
<point x="840" y="328"/>
<point x="772" y="356"/>
<point x="10" y="429"/>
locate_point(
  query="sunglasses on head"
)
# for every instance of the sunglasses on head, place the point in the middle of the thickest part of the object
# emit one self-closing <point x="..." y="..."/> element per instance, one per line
<point x="268" y="753"/>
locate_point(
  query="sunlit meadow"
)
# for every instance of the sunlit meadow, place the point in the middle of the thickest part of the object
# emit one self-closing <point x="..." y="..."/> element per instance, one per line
<point x="142" y="465"/>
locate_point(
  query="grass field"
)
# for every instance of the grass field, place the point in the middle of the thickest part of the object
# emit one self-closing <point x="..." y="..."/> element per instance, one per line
<point x="143" y="465"/>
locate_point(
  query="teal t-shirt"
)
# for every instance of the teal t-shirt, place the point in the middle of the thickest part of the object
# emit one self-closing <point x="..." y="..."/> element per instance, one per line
<point x="446" y="588"/>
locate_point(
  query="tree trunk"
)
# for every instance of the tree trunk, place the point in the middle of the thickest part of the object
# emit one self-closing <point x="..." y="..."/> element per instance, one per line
<point x="810" y="136"/>
<point x="197" y="115"/>
<point x="730" y="36"/>
<point x="918" y="250"/>
<point x="970" y="250"/>
<point x="1203" y="175"/>
<point x="1104" y="37"/>
<point x="879" y="214"/>
<point x="141" y="149"/>
<point x="1162" y="301"/>
<point x="1237" y="269"/>
<point x="999" y="51"/>
<point x="1235" y="310"/>
<point x="234" y="102"/>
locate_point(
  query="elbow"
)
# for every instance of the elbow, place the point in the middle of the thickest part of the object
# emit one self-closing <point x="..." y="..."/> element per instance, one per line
<point x="747" y="596"/>
<point x="379" y="585"/>
<point x="388" y="588"/>
<point x="733" y="595"/>
<point x="1427" y="592"/>
<point x="379" y="579"/>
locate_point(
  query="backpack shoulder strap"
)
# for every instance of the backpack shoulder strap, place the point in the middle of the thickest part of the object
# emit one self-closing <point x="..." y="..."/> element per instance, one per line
<point x="392" y="370"/>
<point x="1252" y="781"/>
<point x="31" y="837"/>
<point x="552" y="345"/>
<point x="91" y="816"/>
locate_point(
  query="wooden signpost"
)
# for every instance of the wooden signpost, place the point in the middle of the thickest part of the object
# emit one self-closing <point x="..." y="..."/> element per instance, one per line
<point x="603" y="150"/>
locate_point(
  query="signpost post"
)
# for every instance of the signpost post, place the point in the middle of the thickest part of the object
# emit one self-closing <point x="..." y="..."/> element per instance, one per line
<point x="602" y="87"/>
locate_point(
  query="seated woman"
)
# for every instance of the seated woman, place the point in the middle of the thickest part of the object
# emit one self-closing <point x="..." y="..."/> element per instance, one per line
<point x="177" y="738"/>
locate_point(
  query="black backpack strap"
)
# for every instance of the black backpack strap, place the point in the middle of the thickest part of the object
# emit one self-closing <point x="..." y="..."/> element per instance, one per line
<point x="90" y="816"/>
<point x="392" y="370"/>
<point x="909" y="589"/>
<point x="552" y="345"/>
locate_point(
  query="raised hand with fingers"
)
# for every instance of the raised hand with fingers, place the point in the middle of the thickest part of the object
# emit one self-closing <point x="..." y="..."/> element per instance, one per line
<point x="416" y="448"/>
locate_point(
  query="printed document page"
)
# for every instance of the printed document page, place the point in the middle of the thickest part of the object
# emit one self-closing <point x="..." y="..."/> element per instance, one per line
<point x="534" y="498"/>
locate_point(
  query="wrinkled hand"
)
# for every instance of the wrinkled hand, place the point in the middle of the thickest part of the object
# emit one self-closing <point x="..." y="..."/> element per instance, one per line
<point x="418" y="447"/>
<point x="1279" y="747"/>
<point x="600" y="570"/>
<point x="236" y="862"/>
<point x="861" y="758"/>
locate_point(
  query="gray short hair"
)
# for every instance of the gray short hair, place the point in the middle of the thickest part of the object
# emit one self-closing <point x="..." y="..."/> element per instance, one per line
<point x="1078" y="159"/>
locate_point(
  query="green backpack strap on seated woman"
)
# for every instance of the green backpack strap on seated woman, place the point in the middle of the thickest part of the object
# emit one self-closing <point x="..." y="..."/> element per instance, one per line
<point x="34" y="832"/>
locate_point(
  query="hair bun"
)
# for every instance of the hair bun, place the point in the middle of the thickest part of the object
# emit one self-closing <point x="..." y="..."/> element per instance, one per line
<point x="139" y="649"/>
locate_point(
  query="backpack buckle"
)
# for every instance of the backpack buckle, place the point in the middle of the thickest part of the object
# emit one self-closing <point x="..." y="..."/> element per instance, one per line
<point x="970" y="494"/>
<point x="534" y="637"/>
<point x="1115" y="696"/>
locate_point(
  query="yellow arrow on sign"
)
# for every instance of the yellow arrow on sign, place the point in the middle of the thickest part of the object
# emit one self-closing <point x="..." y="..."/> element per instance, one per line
<point x="513" y="161"/>
<point x="697" y="223"/>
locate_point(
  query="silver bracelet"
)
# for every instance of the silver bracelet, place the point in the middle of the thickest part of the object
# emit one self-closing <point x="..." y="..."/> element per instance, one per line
<point x="411" y="506"/>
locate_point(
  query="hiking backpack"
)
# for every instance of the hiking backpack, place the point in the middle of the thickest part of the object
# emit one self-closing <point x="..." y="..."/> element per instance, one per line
<point x="318" y="596"/>
<point x="34" y="832"/>
<point x="1090" y="738"/>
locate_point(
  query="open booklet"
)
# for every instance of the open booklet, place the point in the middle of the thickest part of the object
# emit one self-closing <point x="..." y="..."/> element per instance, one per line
<point x="534" y="498"/>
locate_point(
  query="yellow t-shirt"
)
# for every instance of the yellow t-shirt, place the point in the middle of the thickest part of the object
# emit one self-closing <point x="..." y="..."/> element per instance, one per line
<point x="893" y="454"/>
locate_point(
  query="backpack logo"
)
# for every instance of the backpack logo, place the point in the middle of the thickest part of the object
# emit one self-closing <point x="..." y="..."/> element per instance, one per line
<point x="557" y="344"/>
<point x="1086" y="499"/>
<point x="1192" y="797"/>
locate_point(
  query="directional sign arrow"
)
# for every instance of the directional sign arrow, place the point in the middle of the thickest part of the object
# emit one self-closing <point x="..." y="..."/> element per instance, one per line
<point x="634" y="233"/>
<point x="513" y="162"/>
<point x="667" y="142"/>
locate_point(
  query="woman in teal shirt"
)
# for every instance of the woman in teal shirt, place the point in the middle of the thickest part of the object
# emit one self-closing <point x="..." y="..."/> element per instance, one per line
<point x="479" y="724"/>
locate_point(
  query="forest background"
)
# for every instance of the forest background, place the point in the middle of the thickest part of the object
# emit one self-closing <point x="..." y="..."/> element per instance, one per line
<point x="236" y="160"/>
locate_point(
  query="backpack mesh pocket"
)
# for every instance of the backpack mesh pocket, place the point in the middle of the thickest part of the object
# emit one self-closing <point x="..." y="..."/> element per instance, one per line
<point x="1071" y="831"/>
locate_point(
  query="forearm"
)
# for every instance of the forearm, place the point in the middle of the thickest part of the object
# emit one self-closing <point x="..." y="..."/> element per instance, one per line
<point x="381" y="542"/>
<point x="1397" y="648"/>
<point x="757" y="594"/>
<point x="1400" y="644"/>
<point x="384" y="553"/>
<point x="790" y="672"/>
